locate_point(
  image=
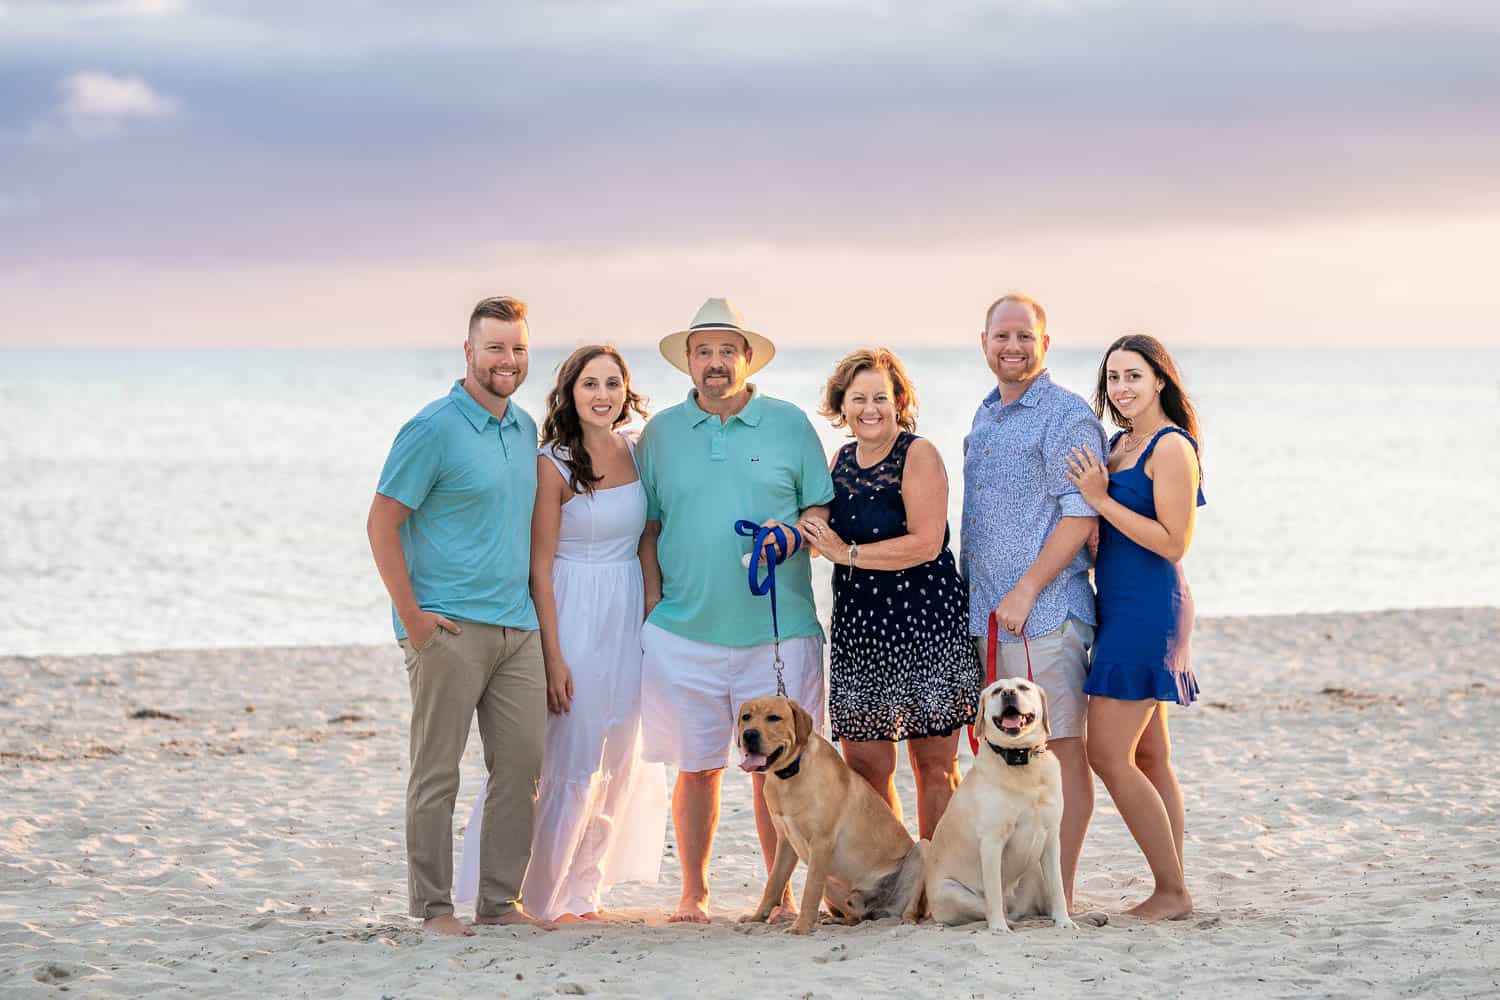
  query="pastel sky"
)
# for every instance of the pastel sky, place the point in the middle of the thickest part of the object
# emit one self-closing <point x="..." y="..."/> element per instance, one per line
<point x="356" y="174"/>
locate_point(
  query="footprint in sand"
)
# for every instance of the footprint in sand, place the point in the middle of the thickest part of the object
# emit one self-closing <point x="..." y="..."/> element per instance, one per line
<point x="53" y="973"/>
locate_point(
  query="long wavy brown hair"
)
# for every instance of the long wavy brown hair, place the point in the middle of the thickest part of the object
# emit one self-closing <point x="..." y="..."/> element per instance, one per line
<point x="563" y="429"/>
<point x="1175" y="402"/>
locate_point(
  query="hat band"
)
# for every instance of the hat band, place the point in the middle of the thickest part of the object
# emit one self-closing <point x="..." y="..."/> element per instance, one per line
<point x="715" y="326"/>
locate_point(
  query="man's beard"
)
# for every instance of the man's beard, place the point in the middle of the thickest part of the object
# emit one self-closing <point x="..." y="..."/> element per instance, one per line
<point x="489" y="381"/>
<point x="719" y="391"/>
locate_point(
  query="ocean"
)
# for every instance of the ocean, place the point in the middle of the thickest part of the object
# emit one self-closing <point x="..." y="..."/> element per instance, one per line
<point x="217" y="498"/>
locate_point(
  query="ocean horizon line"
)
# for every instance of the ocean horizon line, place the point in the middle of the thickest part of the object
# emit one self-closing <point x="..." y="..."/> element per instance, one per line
<point x="562" y="348"/>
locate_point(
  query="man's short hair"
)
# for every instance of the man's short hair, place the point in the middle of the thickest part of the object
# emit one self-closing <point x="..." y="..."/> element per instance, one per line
<point x="1025" y="300"/>
<point x="502" y="307"/>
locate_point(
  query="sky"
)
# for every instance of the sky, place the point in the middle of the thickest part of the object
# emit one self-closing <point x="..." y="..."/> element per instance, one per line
<point x="341" y="174"/>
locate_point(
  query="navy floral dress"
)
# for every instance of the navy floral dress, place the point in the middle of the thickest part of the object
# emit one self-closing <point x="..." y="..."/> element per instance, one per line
<point x="902" y="663"/>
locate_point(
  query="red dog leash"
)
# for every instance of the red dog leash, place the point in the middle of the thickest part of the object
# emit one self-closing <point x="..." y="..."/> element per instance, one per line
<point x="991" y="658"/>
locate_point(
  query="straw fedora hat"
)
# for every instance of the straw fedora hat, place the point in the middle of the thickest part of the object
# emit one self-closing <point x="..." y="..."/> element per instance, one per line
<point x="717" y="314"/>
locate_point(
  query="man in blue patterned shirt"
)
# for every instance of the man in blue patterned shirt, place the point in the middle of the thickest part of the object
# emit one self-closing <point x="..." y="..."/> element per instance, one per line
<point x="1024" y="536"/>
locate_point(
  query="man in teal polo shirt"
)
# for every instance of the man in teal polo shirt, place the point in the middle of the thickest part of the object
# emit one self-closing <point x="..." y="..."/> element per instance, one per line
<point x="724" y="454"/>
<point x="450" y="529"/>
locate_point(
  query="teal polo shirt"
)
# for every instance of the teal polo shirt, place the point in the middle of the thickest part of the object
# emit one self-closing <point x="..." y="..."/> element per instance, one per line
<point x="470" y="481"/>
<point x="700" y="477"/>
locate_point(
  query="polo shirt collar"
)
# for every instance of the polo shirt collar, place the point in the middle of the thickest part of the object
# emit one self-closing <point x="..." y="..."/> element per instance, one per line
<point x="750" y="415"/>
<point x="477" y="416"/>
<point x="1031" y="397"/>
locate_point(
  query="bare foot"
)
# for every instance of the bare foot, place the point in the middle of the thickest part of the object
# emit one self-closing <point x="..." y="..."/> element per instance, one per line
<point x="517" y="918"/>
<point x="598" y="915"/>
<point x="572" y="918"/>
<point x="692" y="910"/>
<point x="447" y="925"/>
<point x="1163" y="906"/>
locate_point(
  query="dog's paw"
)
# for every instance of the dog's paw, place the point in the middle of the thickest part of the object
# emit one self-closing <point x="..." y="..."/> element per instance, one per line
<point x="1066" y="924"/>
<point x="752" y="918"/>
<point x="798" y="927"/>
<point x="999" y="927"/>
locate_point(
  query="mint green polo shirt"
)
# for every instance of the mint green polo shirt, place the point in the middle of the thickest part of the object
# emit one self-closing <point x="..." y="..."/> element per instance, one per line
<point x="701" y="476"/>
<point x="470" y="481"/>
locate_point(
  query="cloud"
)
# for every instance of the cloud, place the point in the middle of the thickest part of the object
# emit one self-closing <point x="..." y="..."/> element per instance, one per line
<point x="89" y="9"/>
<point x="101" y="95"/>
<point x="96" y="105"/>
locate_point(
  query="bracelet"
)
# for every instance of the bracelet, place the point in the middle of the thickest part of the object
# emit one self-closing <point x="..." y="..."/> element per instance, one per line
<point x="853" y="553"/>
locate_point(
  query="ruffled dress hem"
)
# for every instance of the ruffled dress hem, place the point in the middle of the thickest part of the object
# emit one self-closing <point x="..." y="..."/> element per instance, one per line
<point x="1141" y="683"/>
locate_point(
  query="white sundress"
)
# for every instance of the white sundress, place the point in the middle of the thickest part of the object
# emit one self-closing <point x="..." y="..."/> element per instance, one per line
<point x="601" y="810"/>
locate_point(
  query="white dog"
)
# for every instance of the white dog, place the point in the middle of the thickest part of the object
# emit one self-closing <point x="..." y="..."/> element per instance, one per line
<point x="995" y="853"/>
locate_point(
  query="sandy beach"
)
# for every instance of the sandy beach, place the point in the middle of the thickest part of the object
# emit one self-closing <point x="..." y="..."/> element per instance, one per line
<point x="230" y="822"/>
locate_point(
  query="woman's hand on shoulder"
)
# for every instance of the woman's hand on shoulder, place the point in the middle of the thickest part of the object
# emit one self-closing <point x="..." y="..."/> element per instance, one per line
<point x="1087" y="472"/>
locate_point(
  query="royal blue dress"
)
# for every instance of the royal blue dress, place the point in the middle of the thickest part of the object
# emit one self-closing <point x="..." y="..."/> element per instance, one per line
<point x="1142" y="646"/>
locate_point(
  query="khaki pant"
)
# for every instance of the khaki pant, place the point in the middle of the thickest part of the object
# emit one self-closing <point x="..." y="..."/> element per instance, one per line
<point x="497" y="672"/>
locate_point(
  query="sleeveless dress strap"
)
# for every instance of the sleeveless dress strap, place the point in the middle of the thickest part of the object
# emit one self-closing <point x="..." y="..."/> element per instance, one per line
<point x="550" y="450"/>
<point x="1115" y="437"/>
<point x="1169" y="429"/>
<point x="1174" y="429"/>
<point x="901" y="447"/>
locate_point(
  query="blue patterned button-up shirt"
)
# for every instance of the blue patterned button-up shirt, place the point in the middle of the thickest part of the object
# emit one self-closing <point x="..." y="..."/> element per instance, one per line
<point x="1016" y="489"/>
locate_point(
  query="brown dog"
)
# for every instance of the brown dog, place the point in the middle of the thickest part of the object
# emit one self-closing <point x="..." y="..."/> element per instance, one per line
<point x="858" y="855"/>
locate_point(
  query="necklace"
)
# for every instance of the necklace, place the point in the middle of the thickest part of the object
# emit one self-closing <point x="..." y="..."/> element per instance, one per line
<point x="881" y="452"/>
<point x="1132" y="442"/>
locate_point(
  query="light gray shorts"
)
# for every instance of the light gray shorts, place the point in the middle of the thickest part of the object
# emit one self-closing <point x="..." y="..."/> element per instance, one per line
<point x="1060" y="664"/>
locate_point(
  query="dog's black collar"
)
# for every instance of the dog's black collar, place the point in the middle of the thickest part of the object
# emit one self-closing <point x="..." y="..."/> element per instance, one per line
<point x="790" y="770"/>
<point x="1017" y="756"/>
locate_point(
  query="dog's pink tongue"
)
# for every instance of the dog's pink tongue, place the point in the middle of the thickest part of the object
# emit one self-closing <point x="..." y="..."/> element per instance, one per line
<point x="752" y="761"/>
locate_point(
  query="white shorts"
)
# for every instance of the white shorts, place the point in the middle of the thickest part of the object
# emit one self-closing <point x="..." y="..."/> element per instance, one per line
<point x="1060" y="664"/>
<point x="691" y="692"/>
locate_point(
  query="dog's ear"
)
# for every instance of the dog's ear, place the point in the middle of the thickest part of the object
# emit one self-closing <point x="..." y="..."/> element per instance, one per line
<point x="980" y="716"/>
<point x="801" y="722"/>
<point x="1046" y="718"/>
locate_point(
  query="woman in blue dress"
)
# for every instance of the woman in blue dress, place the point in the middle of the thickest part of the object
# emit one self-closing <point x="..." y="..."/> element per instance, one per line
<point x="1147" y="494"/>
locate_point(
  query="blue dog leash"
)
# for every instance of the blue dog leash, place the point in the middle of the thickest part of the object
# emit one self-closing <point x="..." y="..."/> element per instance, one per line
<point x="784" y="547"/>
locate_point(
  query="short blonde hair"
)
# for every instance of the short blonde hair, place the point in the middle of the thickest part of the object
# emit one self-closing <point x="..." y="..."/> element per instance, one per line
<point x="863" y="360"/>
<point x="1023" y="299"/>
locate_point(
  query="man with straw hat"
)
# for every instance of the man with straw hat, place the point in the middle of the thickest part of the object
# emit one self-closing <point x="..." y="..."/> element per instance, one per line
<point x="725" y="453"/>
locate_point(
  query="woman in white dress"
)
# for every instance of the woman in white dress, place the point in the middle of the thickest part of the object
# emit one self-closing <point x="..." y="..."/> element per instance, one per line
<point x="601" y="811"/>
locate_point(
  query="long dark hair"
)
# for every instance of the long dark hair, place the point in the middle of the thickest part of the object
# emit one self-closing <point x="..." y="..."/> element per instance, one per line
<point x="1175" y="402"/>
<point x="564" y="430"/>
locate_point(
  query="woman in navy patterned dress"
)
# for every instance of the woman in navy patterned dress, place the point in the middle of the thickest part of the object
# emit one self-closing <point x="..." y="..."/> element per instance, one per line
<point x="1147" y="494"/>
<point x="902" y="664"/>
